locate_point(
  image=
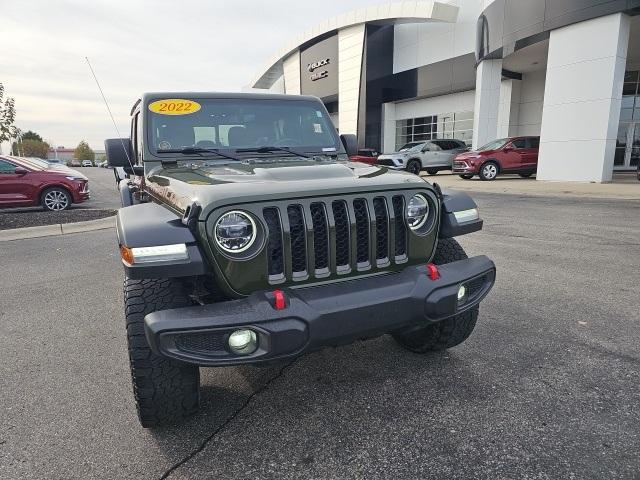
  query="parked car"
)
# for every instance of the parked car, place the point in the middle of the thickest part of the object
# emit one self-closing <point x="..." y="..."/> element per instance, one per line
<point x="103" y="164"/>
<point x="30" y="182"/>
<point x="55" y="161"/>
<point x="87" y="163"/>
<point x="365" y="155"/>
<point x="432" y="156"/>
<point x="506" y="155"/>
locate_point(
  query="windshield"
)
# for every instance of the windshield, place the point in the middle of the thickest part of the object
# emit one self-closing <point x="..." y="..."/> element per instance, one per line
<point x="410" y="146"/>
<point x="240" y="123"/>
<point x="495" y="145"/>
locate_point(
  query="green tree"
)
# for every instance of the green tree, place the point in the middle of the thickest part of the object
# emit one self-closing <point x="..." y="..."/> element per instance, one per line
<point x="31" y="135"/>
<point x="83" y="152"/>
<point x="8" y="130"/>
<point x="30" y="148"/>
<point x="30" y="144"/>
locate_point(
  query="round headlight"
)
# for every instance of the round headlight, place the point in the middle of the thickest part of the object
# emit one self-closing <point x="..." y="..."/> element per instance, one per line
<point x="235" y="232"/>
<point x="417" y="212"/>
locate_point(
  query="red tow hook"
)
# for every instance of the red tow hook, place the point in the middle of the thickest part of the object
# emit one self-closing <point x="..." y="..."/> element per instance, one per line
<point x="432" y="271"/>
<point x="279" y="300"/>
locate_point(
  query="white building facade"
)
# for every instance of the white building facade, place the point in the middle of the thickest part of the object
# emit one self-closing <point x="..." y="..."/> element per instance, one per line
<point x="476" y="70"/>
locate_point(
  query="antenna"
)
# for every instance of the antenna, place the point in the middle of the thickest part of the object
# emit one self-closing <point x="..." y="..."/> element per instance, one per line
<point x="126" y="152"/>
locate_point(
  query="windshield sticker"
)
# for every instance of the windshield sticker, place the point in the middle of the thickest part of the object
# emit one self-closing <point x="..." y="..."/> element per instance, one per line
<point x="317" y="128"/>
<point x="174" y="106"/>
<point x="318" y="113"/>
<point x="329" y="149"/>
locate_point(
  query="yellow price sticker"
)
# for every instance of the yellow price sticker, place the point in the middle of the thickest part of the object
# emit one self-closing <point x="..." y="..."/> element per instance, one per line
<point x="174" y="106"/>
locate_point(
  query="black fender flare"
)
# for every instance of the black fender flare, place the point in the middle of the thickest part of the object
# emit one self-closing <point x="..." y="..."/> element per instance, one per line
<point x="453" y="202"/>
<point x="149" y="225"/>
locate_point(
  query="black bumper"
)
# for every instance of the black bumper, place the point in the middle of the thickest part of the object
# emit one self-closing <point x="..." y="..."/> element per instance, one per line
<point x="318" y="316"/>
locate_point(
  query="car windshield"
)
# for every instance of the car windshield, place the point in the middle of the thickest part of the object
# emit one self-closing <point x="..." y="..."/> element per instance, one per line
<point x="410" y="146"/>
<point x="495" y="145"/>
<point x="243" y="123"/>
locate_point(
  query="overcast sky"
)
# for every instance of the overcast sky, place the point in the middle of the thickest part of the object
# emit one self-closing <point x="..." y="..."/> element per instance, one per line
<point x="136" y="46"/>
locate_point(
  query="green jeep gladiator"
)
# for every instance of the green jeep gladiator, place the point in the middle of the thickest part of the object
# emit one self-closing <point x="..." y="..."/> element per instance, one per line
<point x="247" y="236"/>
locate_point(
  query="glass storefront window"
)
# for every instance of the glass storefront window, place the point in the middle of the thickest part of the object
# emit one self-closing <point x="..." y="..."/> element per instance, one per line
<point x="458" y="125"/>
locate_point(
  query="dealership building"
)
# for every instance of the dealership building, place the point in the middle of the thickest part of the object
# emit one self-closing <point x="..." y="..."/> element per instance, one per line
<point x="477" y="70"/>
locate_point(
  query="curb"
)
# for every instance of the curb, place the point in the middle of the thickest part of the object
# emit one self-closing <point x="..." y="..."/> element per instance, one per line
<point x="58" y="229"/>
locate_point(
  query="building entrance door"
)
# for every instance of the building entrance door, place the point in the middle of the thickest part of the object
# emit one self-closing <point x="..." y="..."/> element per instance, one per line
<point x="628" y="146"/>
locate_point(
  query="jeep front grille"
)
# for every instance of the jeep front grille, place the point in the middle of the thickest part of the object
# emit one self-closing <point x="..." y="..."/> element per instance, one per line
<point x="334" y="237"/>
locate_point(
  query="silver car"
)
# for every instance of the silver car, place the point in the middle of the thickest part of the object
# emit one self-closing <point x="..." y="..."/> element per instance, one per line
<point x="430" y="155"/>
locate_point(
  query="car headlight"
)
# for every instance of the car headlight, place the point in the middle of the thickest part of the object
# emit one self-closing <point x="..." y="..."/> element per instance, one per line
<point x="235" y="232"/>
<point x="417" y="212"/>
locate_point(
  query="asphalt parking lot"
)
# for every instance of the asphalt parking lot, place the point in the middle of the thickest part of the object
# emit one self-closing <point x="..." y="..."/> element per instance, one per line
<point x="548" y="386"/>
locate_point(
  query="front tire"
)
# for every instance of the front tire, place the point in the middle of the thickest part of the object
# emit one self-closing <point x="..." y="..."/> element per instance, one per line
<point x="55" y="199"/>
<point x="445" y="333"/>
<point x="489" y="171"/>
<point x="165" y="391"/>
<point x="414" y="167"/>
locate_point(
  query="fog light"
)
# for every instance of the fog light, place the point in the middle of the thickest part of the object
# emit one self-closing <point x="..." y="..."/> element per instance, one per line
<point x="243" y="342"/>
<point x="462" y="292"/>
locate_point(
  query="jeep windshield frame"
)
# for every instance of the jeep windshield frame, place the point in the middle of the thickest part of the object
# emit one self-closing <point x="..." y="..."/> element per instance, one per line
<point x="240" y="126"/>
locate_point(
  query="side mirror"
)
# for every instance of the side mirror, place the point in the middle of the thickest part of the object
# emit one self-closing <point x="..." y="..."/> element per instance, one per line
<point x="507" y="149"/>
<point x="118" y="151"/>
<point x="20" y="171"/>
<point x="350" y="143"/>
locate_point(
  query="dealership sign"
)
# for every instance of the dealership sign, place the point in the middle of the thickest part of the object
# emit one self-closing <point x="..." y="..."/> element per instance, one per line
<point x="311" y="67"/>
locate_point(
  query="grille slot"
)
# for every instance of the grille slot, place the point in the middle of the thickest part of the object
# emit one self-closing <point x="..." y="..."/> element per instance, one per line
<point x="341" y="217"/>
<point x="362" y="229"/>
<point x="275" y="256"/>
<point x="298" y="244"/>
<point x="320" y="236"/>
<point x="400" y="227"/>
<point x="382" y="228"/>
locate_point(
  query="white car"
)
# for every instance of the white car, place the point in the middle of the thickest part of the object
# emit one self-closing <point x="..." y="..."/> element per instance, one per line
<point x="430" y="155"/>
<point x="87" y="163"/>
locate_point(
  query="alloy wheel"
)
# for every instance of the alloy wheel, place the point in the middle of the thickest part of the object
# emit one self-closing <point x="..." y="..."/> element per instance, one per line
<point x="56" y="200"/>
<point x="490" y="171"/>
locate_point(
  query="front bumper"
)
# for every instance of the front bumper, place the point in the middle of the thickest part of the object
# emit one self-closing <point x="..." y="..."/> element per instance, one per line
<point x="314" y="317"/>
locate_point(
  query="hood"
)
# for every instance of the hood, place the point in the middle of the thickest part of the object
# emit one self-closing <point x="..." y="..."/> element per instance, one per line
<point x="395" y="155"/>
<point x="475" y="154"/>
<point x="214" y="186"/>
<point x="66" y="171"/>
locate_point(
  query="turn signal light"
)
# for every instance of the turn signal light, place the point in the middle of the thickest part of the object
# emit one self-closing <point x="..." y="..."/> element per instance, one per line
<point x="126" y="254"/>
<point x="432" y="271"/>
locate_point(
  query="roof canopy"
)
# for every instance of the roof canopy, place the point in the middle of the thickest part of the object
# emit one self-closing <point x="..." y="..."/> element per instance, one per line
<point x="387" y="14"/>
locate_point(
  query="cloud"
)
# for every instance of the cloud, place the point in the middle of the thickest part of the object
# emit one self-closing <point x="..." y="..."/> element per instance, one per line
<point x="136" y="46"/>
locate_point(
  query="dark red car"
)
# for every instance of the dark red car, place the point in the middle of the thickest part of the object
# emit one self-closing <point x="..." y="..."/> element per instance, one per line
<point x="365" y="155"/>
<point x="507" y="155"/>
<point x="28" y="182"/>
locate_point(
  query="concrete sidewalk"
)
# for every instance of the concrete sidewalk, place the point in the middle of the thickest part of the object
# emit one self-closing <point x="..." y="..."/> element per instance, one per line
<point x="624" y="186"/>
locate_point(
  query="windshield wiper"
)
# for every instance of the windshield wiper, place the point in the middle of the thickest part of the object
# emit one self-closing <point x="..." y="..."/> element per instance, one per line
<point x="268" y="149"/>
<point x="199" y="151"/>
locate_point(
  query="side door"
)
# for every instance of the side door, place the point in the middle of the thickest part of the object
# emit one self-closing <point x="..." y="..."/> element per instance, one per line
<point x="512" y="154"/>
<point x="15" y="189"/>
<point x="431" y="154"/>
<point x="530" y="156"/>
<point x="449" y="151"/>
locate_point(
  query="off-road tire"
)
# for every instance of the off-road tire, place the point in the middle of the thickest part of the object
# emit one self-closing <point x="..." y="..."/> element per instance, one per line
<point x="432" y="171"/>
<point x="446" y="333"/>
<point x="165" y="391"/>
<point x="466" y="176"/>
<point x="413" y="166"/>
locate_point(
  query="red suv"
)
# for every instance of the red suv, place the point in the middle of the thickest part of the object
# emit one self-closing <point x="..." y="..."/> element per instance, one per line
<point x="27" y="182"/>
<point x="507" y="155"/>
<point x="365" y="155"/>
